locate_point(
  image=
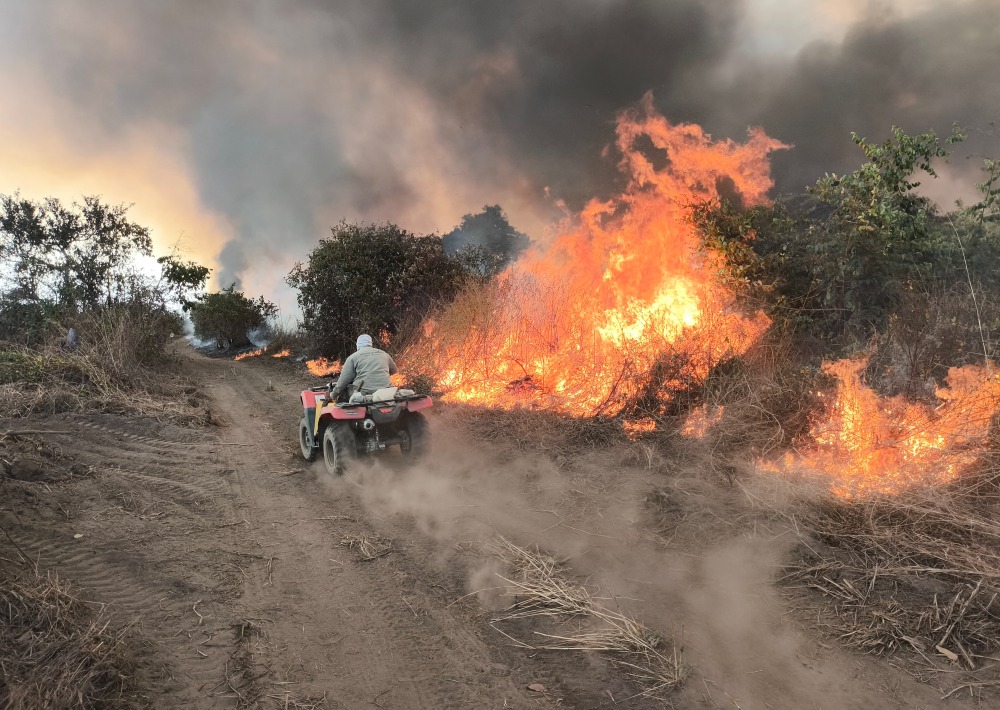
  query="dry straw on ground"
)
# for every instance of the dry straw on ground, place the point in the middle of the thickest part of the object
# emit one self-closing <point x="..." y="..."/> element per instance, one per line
<point x="538" y="585"/>
<point x="55" y="650"/>
<point x="367" y="546"/>
<point x="537" y="430"/>
<point x="916" y="577"/>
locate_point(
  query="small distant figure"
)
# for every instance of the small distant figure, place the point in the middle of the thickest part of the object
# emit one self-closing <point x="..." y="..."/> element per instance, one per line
<point x="72" y="339"/>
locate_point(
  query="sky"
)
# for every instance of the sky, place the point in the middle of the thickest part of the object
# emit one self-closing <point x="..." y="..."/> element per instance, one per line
<point x="242" y="130"/>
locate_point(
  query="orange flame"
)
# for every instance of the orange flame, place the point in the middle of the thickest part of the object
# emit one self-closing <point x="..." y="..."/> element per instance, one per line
<point x="259" y="352"/>
<point x="700" y="420"/>
<point x="578" y="327"/>
<point x="635" y="428"/>
<point x="866" y="445"/>
<point x="249" y="353"/>
<point x="321" y="367"/>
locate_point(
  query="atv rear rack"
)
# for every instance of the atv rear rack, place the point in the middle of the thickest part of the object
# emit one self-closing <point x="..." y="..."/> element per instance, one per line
<point x="370" y="402"/>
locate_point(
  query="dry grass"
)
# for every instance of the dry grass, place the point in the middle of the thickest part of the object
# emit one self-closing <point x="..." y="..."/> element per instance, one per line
<point x="367" y="546"/>
<point x="537" y="583"/>
<point x="540" y="431"/>
<point x="117" y="367"/>
<point x="282" y="336"/>
<point x="55" y="651"/>
<point x="52" y="381"/>
<point x="916" y="576"/>
<point x="767" y="395"/>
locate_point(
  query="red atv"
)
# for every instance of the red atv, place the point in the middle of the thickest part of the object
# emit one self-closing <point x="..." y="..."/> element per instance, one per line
<point x="348" y="430"/>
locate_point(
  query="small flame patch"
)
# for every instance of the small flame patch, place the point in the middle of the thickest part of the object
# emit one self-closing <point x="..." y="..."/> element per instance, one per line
<point x="321" y="367"/>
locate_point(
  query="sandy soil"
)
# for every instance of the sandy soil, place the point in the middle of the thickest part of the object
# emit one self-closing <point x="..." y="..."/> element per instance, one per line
<point x="227" y="552"/>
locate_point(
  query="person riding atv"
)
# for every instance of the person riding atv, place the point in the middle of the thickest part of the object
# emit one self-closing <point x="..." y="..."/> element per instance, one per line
<point x="365" y="371"/>
<point x="372" y="418"/>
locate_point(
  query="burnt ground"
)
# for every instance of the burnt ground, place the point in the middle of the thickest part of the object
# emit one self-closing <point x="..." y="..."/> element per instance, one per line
<point x="229" y="557"/>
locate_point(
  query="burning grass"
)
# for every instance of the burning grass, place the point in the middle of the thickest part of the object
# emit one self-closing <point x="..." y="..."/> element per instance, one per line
<point x="538" y="585"/>
<point x="578" y="328"/>
<point x="257" y="352"/>
<point x="863" y="444"/>
<point x="56" y="651"/>
<point x="321" y="367"/>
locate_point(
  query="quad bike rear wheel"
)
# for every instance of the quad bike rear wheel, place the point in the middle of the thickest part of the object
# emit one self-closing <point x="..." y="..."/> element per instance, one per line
<point x="418" y="436"/>
<point x="339" y="448"/>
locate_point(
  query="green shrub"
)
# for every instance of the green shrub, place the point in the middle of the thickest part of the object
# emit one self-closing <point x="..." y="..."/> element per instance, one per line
<point x="227" y="316"/>
<point x="371" y="279"/>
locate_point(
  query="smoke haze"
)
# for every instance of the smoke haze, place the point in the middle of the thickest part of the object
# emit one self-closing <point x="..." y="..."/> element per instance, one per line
<point x="659" y="539"/>
<point x="246" y="129"/>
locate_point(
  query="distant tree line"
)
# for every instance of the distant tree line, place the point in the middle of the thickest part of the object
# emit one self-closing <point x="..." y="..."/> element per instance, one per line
<point x="87" y="262"/>
<point x="62" y="262"/>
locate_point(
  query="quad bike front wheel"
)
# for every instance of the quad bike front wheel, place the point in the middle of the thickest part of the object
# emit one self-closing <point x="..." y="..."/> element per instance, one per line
<point x="418" y="437"/>
<point x="339" y="448"/>
<point x="308" y="451"/>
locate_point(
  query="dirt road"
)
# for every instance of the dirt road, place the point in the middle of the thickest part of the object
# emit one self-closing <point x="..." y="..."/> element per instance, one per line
<point x="234" y="559"/>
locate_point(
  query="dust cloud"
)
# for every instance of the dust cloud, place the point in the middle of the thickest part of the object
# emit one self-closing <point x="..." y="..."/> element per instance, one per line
<point x="674" y="546"/>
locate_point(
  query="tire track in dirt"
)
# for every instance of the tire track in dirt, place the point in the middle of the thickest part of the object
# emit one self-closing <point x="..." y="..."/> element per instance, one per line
<point x="389" y="633"/>
<point x="150" y="565"/>
<point x="195" y="533"/>
<point x="374" y="634"/>
<point x="191" y="667"/>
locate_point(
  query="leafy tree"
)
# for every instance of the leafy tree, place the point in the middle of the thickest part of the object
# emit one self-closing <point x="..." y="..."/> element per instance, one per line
<point x="227" y="316"/>
<point x="58" y="262"/>
<point x="840" y="259"/>
<point x="488" y="240"/>
<point x="371" y="278"/>
<point x="975" y="230"/>
<point x="757" y="245"/>
<point x="181" y="278"/>
<point x="81" y="256"/>
<point x="876" y="240"/>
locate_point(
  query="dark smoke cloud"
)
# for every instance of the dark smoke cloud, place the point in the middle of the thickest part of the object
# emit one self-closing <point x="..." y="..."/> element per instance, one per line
<point x="294" y="115"/>
<point x="927" y="72"/>
<point x="547" y="80"/>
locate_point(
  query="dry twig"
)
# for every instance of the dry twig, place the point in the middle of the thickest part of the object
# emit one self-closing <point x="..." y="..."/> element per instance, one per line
<point x="917" y="575"/>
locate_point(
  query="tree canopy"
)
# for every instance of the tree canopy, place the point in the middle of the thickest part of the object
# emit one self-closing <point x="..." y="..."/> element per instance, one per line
<point x="487" y="239"/>
<point x="63" y="260"/>
<point x="841" y="258"/>
<point x="371" y="278"/>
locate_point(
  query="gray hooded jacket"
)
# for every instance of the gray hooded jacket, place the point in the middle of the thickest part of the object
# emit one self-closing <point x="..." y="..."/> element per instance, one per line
<point x="368" y="367"/>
